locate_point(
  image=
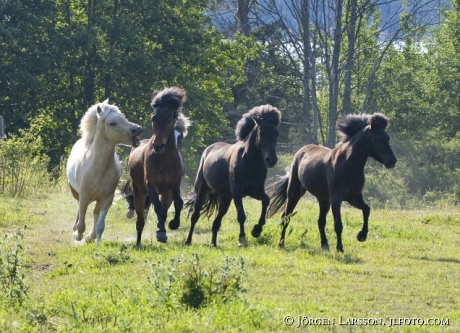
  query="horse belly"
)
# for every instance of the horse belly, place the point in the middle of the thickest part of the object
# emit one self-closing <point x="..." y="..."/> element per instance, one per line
<point x="313" y="176"/>
<point x="75" y="164"/>
<point x="215" y="168"/>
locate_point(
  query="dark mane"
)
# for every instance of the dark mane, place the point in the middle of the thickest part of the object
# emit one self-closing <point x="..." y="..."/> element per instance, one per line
<point x="352" y="124"/>
<point x="171" y="98"/>
<point x="266" y="113"/>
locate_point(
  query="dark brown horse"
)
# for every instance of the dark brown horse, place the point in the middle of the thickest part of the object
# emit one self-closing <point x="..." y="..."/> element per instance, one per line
<point x="336" y="175"/>
<point x="156" y="166"/>
<point x="233" y="171"/>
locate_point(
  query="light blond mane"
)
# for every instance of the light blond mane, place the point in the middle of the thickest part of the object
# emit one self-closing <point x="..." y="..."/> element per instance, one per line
<point x="88" y="123"/>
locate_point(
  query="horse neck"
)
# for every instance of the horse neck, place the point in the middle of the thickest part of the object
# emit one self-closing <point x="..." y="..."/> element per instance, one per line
<point x="102" y="151"/>
<point x="356" y="151"/>
<point x="251" y="151"/>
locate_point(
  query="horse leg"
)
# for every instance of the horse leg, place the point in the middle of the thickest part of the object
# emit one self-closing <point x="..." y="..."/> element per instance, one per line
<point x="295" y="191"/>
<point x="166" y="201"/>
<point x="338" y="226"/>
<point x="257" y="229"/>
<point x="100" y="225"/>
<point x="224" y="204"/>
<point x="178" y="204"/>
<point x="139" y="201"/>
<point x="201" y="193"/>
<point x="324" y="207"/>
<point x="241" y="215"/>
<point x="76" y="221"/>
<point x="92" y="235"/>
<point x="161" y="217"/>
<point x="80" y="227"/>
<point x="359" y="203"/>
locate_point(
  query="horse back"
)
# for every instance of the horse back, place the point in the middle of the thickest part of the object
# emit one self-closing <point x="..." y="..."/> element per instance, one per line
<point x="313" y="163"/>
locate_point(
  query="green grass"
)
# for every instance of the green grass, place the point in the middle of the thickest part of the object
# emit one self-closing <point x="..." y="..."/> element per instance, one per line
<point x="408" y="268"/>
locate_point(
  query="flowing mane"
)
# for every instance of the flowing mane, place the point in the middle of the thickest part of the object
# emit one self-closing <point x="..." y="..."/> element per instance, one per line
<point x="89" y="121"/>
<point x="182" y="124"/>
<point x="267" y="113"/>
<point x="172" y="98"/>
<point x="352" y="124"/>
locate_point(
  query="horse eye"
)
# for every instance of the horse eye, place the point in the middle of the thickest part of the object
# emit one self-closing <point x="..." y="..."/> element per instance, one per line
<point x="113" y="124"/>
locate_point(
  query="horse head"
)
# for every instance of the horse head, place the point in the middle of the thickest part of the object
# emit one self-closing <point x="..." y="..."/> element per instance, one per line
<point x="260" y="127"/>
<point x="378" y="141"/>
<point x="166" y="106"/>
<point x="266" y="141"/>
<point x="116" y="127"/>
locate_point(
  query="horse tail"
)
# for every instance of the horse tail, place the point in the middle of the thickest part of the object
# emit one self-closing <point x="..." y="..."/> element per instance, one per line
<point x="209" y="207"/>
<point x="127" y="193"/>
<point x="278" y="195"/>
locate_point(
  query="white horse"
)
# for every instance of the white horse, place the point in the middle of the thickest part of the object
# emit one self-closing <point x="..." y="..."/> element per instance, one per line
<point x="93" y="167"/>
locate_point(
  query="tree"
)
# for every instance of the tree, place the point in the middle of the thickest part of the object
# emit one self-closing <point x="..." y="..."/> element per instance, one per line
<point x="63" y="56"/>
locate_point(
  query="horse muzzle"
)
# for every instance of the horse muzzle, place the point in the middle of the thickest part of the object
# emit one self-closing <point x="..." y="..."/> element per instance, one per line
<point x="391" y="162"/>
<point x="159" y="148"/>
<point x="136" y="132"/>
<point x="271" y="162"/>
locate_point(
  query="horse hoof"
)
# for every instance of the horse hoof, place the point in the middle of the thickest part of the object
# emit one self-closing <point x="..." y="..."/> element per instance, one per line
<point x="89" y="238"/>
<point x="173" y="224"/>
<point x="256" y="231"/>
<point x="325" y="247"/>
<point x="162" y="237"/>
<point x="340" y="248"/>
<point x="243" y="242"/>
<point x="77" y="236"/>
<point x="362" y="236"/>
<point x="130" y="214"/>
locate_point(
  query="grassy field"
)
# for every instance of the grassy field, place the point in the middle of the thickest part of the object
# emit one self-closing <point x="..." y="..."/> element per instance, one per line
<point x="404" y="278"/>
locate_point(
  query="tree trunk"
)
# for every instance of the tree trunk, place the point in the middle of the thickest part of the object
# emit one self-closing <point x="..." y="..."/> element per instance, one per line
<point x="335" y="75"/>
<point x="352" y="9"/>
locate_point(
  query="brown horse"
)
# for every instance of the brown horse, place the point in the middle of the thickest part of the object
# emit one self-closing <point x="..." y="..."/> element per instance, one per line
<point x="156" y="166"/>
<point x="233" y="171"/>
<point x="336" y="175"/>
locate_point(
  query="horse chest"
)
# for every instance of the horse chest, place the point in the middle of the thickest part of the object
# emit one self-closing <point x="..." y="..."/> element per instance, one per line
<point x="162" y="172"/>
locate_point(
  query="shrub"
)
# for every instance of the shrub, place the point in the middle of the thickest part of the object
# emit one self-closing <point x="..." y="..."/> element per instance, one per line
<point x="23" y="166"/>
<point x="188" y="283"/>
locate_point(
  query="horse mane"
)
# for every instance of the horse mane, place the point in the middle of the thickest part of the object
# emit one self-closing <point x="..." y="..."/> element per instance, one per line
<point x="182" y="123"/>
<point x="172" y="98"/>
<point x="266" y="113"/>
<point x="352" y="124"/>
<point x="89" y="121"/>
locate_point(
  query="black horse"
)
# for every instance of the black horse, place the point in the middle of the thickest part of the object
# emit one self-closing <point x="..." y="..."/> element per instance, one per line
<point x="233" y="171"/>
<point x="336" y="175"/>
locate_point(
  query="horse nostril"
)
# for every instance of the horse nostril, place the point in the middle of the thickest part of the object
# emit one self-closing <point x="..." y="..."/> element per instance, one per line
<point x="271" y="162"/>
<point x="159" y="148"/>
<point x="137" y="131"/>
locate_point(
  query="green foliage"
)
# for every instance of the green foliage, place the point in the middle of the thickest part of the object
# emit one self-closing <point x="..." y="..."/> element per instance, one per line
<point x="187" y="282"/>
<point x="23" y="166"/>
<point x="13" y="289"/>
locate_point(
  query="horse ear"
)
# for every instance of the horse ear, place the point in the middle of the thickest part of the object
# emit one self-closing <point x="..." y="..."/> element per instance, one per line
<point x="99" y="110"/>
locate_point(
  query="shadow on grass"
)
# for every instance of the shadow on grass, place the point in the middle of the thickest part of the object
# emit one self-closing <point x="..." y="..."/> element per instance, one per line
<point x="449" y="260"/>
